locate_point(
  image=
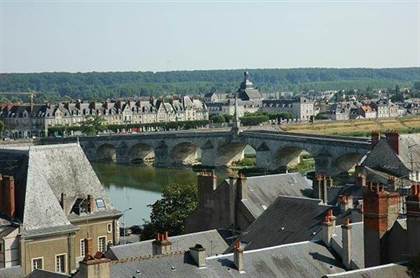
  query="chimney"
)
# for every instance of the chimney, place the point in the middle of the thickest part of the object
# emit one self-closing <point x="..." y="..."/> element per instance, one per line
<point x="91" y="203"/>
<point x="198" y="253"/>
<point x="346" y="202"/>
<point x="97" y="266"/>
<point x="161" y="245"/>
<point x="380" y="211"/>
<point x="375" y="137"/>
<point x="413" y="220"/>
<point x="88" y="248"/>
<point x="207" y="184"/>
<point x="393" y="139"/>
<point x="328" y="228"/>
<point x="346" y="255"/>
<point x="322" y="188"/>
<point x="238" y="257"/>
<point x="8" y="202"/>
<point x="242" y="187"/>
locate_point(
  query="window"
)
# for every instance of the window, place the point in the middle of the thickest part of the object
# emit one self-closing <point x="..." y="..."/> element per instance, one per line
<point x="102" y="244"/>
<point x="37" y="263"/>
<point x="100" y="203"/>
<point x="109" y="228"/>
<point x="60" y="263"/>
<point x="82" y="248"/>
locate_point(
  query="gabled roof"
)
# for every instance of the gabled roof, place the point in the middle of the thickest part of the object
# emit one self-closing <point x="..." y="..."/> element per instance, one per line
<point x="303" y="259"/>
<point x="287" y="220"/>
<point x="211" y="240"/>
<point x="263" y="190"/>
<point x="42" y="174"/>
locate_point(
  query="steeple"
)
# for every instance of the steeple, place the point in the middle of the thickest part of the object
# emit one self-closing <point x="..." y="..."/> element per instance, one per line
<point x="236" y="124"/>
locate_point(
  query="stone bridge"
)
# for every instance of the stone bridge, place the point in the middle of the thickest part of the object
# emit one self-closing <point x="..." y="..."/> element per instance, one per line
<point x="216" y="148"/>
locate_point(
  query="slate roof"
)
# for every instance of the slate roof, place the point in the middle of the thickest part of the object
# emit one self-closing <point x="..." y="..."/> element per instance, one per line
<point x="287" y="220"/>
<point x="45" y="274"/>
<point x="211" y="240"/>
<point x="263" y="190"/>
<point x="304" y="259"/>
<point x="382" y="271"/>
<point x="383" y="158"/>
<point x="11" y="272"/>
<point x="42" y="173"/>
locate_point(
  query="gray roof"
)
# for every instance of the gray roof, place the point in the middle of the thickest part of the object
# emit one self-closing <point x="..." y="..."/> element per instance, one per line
<point x="382" y="271"/>
<point x="42" y="173"/>
<point x="304" y="259"/>
<point x="263" y="190"/>
<point x="211" y="240"/>
<point x="11" y="272"/>
<point x="383" y="158"/>
<point x="45" y="274"/>
<point x="287" y="220"/>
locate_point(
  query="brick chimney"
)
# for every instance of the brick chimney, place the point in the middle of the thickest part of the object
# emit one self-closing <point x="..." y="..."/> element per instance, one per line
<point x="346" y="254"/>
<point x="328" y="227"/>
<point x="161" y="245"/>
<point x="91" y="204"/>
<point x="238" y="257"/>
<point x="7" y="195"/>
<point x="198" y="253"/>
<point x="393" y="139"/>
<point x="375" y="137"/>
<point x="345" y="202"/>
<point x="242" y="187"/>
<point x="207" y="184"/>
<point x="413" y="220"/>
<point x="380" y="211"/>
<point x="96" y="266"/>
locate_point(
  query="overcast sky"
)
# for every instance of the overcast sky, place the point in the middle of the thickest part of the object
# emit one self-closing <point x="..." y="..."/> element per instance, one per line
<point x="133" y="35"/>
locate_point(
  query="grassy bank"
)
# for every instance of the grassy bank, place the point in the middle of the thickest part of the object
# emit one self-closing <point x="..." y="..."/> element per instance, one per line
<point x="358" y="127"/>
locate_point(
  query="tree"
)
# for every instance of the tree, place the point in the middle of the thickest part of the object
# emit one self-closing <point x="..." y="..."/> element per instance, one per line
<point x="169" y="213"/>
<point x="92" y="125"/>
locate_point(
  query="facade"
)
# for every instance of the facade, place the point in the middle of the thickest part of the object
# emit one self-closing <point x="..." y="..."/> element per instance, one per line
<point x="301" y="108"/>
<point x="52" y="201"/>
<point x="27" y="121"/>
<point x="250" y="100"/>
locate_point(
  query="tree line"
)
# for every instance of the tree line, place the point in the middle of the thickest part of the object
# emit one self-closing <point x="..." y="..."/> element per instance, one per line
<point x="102" y="85"/>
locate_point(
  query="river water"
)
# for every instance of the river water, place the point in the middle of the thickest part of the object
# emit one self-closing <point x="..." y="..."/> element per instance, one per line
<point x="133" y="186"/>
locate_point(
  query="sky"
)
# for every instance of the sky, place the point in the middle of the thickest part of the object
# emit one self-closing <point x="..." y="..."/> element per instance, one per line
<point x="91" y="35"/>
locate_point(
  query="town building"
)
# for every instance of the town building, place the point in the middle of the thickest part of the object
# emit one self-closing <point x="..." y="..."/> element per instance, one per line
<point x="251" y="100"/>
<point x="51" y="201"/>
<point x="35" y="120"/>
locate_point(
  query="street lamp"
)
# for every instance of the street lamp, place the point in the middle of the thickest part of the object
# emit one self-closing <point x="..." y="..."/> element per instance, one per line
<point x="123" y="215"/>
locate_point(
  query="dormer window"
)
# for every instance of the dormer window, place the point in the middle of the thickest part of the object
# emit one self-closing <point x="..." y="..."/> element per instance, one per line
<point x="100" y="204"/>
<point x="80" y="206"/>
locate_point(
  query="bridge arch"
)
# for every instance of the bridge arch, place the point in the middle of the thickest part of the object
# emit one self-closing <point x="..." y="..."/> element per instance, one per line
<point x="141" y="153"/>
<point x="294" y="158"/>
<point x="106" y="153"/>
<point x="185" y="153"/>
<point x="347" y="162"/>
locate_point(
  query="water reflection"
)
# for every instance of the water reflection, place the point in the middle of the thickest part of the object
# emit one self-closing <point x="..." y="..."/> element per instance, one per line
<point x="138" y="186"/>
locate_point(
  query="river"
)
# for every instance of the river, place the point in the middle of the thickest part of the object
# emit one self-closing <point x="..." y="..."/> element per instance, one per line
<point x="133" y="186"/>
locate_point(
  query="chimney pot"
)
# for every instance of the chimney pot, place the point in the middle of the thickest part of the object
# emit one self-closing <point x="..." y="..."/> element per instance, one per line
<point x="238" y="256"/>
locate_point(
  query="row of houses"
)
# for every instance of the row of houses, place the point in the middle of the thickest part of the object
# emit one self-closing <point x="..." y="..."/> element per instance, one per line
<point x="35" y="120"/>
<point x="382" y="108"/>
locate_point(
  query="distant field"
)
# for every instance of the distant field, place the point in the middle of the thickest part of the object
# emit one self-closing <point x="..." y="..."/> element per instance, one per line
<point x="358" y="127"/>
